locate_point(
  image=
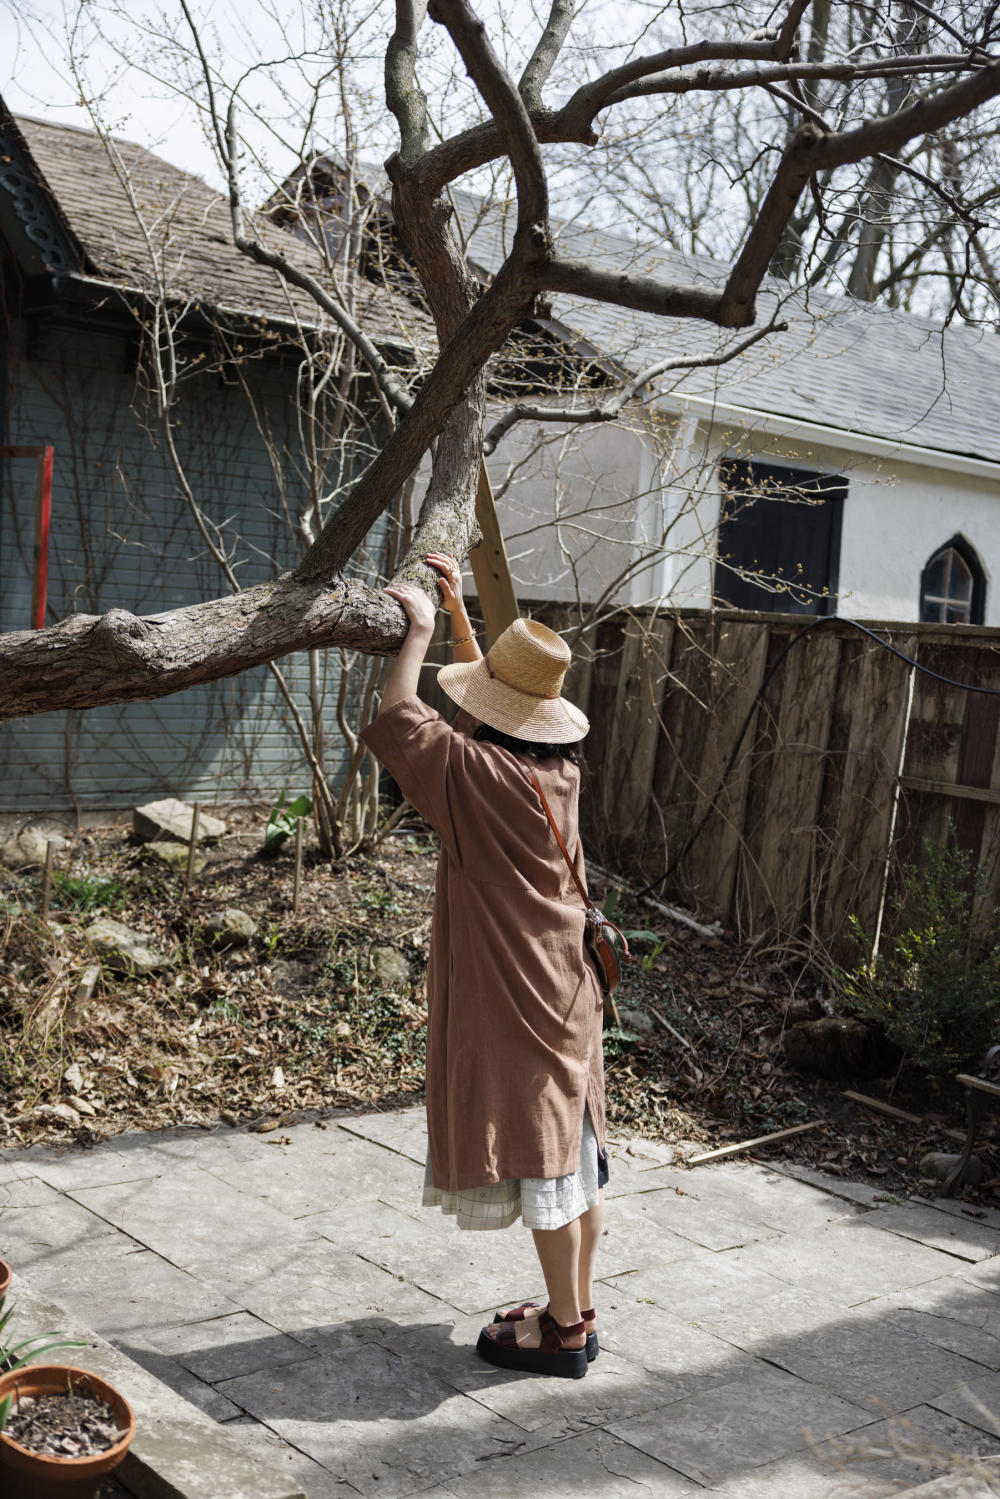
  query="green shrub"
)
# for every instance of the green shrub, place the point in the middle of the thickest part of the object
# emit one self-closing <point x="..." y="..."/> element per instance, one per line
<point x="935" y="985"/>
<point x="88" y="892"/>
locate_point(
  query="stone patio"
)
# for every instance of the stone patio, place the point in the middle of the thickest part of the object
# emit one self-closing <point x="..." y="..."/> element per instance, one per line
<point x="766" y="1333"/>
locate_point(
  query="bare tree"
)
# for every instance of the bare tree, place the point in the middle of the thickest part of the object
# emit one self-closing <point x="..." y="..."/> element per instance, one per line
<point x="120" y="657"/>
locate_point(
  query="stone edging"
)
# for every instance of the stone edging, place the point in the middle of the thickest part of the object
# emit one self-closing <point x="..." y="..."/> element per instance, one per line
<point x="178" y="1452"/>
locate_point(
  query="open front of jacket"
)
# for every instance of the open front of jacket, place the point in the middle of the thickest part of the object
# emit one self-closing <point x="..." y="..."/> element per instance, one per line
<point x="514" y="1006"/>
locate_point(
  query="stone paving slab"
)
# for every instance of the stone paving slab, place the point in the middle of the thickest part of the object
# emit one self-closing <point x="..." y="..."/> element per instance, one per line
<point x="757" y="1322"/>
<point x="952" y="1314"/>
<point x="596" y="1463"/>
<point x="755" y="1419"/>
<point x="186" y="1214"/>
<point x="380" y="1422"/>
<point x="850" y="1259"/>
<point x="962" y="1237"/>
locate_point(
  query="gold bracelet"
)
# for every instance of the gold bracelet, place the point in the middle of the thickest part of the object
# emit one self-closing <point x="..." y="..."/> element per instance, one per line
<point x="464" y="640"/>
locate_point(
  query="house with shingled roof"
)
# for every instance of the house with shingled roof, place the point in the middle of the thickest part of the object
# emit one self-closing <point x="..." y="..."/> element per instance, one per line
<point x="847" y="461"/>
<point x="106" y="249"/>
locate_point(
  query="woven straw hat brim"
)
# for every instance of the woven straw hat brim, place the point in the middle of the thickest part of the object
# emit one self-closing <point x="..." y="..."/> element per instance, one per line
<point x="544" y="720"/>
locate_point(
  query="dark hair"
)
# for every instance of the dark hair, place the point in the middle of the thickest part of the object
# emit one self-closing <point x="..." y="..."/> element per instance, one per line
<point x="535" y="750"/>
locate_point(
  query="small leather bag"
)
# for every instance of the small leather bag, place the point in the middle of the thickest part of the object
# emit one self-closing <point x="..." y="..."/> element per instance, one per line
<point x="601" y="936"/>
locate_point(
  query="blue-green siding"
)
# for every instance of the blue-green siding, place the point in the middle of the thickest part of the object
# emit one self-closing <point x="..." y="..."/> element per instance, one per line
<point x="123" y="537"/>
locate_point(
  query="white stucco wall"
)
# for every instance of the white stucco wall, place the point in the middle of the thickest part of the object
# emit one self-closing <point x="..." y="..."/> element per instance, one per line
<point x="574" y="505"/>
<point x="578" y="505"/>
<point x="897" y="514"/>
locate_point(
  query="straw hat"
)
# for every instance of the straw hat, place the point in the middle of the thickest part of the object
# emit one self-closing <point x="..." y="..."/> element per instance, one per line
<point x="516" y="686"/>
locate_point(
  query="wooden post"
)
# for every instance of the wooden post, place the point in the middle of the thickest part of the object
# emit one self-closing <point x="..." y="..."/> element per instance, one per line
<point x="192" y="845"/>
<point x="47" y="878"/>
<point x="490" y="568"/>
<point x="299" y="823"/>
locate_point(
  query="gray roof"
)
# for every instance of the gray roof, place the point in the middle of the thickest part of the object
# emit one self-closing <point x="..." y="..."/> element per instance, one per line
<point x="851" y="366"/>
<point x="190" y="235"/>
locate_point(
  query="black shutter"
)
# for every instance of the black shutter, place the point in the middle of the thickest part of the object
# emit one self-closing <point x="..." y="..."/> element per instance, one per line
<point x="781" y="526"/>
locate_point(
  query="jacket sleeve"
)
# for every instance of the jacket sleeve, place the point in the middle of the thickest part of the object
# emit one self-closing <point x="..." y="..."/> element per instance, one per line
<point x="416" y="746"/>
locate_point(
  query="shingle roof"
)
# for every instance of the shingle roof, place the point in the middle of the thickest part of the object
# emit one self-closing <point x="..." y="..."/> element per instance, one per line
<point x="189" y="235"/>
<point x="851" y="366"/>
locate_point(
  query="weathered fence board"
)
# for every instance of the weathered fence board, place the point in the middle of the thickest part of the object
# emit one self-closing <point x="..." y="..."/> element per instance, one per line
<point x="737" y="672"/>
<point x="801" y="835"/>
<point x="872" y="699"/>
<point x="805" y="691"/>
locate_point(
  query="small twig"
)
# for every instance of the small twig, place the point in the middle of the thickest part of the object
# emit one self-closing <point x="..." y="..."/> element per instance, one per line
<point x="666" y="1023"/>
<point x="892" y="1112"/>
<point x="780" y="1134"/>
<point x="47" y="878"/>
<point x="192" y="845"/>
<point x="298" y="867"/>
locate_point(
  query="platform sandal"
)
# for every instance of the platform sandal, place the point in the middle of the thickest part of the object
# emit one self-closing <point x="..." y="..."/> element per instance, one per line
<point x="550" y="1357"/>
<point x="519" y="1313"/>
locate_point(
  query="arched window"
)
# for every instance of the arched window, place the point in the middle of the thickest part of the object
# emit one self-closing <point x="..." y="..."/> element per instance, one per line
<point x="953" y="586"/>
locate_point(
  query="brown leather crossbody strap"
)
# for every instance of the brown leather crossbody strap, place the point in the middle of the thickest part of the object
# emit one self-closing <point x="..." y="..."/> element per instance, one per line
<point x="565" y="852"/>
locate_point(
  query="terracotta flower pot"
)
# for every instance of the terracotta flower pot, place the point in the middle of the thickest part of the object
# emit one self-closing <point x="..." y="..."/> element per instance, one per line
<point x="5" y="1274"/>
<point x="33" y="1475"/>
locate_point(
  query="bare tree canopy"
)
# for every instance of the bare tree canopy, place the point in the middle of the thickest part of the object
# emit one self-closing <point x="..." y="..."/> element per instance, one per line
<point x="810" y="118"/>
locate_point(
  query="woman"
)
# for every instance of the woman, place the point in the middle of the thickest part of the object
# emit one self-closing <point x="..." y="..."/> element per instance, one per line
<point x="515" y="1083"/>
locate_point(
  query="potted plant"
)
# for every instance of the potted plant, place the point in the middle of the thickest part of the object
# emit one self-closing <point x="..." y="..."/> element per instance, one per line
<point x="61" y="1431"/>
<point x="5" y="1274"/>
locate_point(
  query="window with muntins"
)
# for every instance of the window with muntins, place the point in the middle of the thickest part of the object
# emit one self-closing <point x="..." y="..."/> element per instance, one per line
<point x="953" y="586"/>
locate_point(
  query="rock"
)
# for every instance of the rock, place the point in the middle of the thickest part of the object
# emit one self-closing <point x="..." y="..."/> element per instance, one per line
<point x="124" y="950"/>
<point x="230" y="928"/>
<point x="175" y="854"/>
<point x="173" y="819"/>
<point x="936" y="1165"/>
<point x="27" y="849"/>
<point x="834" y="1046"/>
<point x="637" y="1020"/>
<point x="392" y="968"/>
<point x="89" y="979"/>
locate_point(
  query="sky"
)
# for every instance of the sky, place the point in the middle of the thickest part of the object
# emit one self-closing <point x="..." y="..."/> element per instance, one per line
<point x="121" y="56"/>
<point x="121" y="60"/>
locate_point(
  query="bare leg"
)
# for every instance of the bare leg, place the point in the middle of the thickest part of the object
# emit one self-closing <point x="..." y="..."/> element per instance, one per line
<point x="591" y="1224"/>
<point x="558" y="1251"/>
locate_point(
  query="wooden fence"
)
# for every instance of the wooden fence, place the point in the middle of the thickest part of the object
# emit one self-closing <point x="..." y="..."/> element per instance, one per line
<point x="850" y="759"/>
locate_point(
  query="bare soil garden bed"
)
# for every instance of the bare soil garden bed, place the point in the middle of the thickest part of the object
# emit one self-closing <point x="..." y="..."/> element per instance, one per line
<point x="324" y="1008"/>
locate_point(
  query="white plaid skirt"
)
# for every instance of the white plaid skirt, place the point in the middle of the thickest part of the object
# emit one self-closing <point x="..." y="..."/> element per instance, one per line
<point x="539" y="1201"/>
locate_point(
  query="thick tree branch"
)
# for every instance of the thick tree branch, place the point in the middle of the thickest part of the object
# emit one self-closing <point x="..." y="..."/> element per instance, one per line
<point x="505" y="303"/>
<point x="117" y="657"/>
<point x="576" y="278"/>
<point x="720" y="80"/>
<point x="573" y="125"/>
<point x="403" y="95"/>
<point x="393" y="389"/>
<point x="507" y="108"/>
<point x="542" y="60"/>
<point x="785" y="40"/>
<point x="811" y="151"/>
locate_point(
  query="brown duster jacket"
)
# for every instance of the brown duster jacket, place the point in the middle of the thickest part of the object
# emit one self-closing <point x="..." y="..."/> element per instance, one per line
<point x="514" y="1006"/>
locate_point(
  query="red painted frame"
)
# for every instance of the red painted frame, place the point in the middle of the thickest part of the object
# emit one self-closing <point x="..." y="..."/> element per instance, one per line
<point x="43" y="522"/>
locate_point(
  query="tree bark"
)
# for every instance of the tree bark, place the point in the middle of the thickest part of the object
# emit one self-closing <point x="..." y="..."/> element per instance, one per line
<point x="119" y="657"/>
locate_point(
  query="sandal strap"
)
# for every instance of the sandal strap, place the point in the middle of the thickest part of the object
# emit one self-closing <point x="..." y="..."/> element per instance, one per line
<point x="554" y="1335"/>
<point x="589" y="1315"/>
